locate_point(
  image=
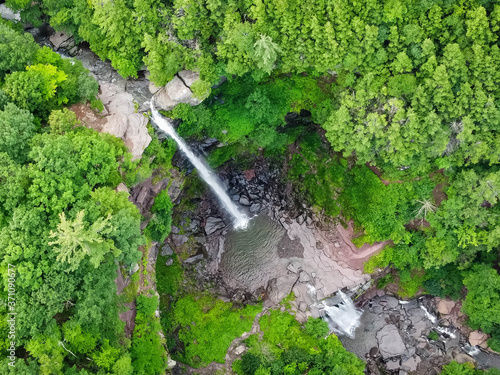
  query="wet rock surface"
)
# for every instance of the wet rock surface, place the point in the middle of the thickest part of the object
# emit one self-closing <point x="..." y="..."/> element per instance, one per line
<point x="394" y="336"/>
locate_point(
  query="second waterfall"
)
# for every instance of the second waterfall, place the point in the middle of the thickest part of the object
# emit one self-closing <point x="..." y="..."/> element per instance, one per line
<point x="240" y="219"/>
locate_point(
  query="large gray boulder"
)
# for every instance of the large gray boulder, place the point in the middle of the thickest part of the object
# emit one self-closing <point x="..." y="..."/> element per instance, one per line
<point x="176" y="91"/>
<point x="122" y="121"/>
<point x="9" y="14"/>
<point x="390" y="342"/>
<point x="280" y="287"/>
<point x="213" y="224"/>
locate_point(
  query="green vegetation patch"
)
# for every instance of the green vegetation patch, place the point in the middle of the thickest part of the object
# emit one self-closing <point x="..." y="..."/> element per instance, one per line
<point x="292" y="349"/>
<point x="207" y="326"/>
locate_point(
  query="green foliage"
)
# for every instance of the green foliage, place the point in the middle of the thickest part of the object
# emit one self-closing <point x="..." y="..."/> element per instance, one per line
<point x="73" y="241"/>
<point x="250" y="363"/>
<point x="316" y="327"/>
<point x="16" y="130"/>
<point x="159" y="226"/>
<point x="385" y="280"/>
<point x="148" y="353"/>
<point x="16" y="50"/>
<point x="319" y="176"/>
<point x="107" y="356"/>
<point x="433" y="336"/>
<point x="288" y="348"/>
<point x="168" y="277"/>
<point x="383" y="210"/>
<point x="50" y="82"/>
<point x="62" y="121"/>
<point x="29" y="90"/>
<point x="246" y="114"/>
<point x="455" y="368"/>
<point x="202" y="319"/>
<point x="482" y="304"/>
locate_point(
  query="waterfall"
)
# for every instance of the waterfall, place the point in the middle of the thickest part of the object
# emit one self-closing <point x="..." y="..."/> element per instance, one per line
<point x="240" y="220"/>
<point x="340" y="313"/>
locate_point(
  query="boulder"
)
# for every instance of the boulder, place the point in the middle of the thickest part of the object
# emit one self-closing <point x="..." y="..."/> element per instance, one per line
<point x="304" y="277"/>
<point x="392" y="365"/>
<point x="116" y="125"/>
<point x="194" y="259"/>
<point x="9" y="14"/>
<point x="176" y="183"/>
<point x="137" y="134"/>
<point x="240" y="349"/>
<point x="389" y="302"/>
<point x="213" y="224"/>
<point x="179" y="239"/>
<point x="244" y="200"/>
<point x="463" y="358"/>
<point x="411" y="363"/>
<point x="166" y="250"/>
<point x="133" y="269"/>
<point x="122" y="121"/>
<point x="163" y="101"/>
<point x="122" y="187"/>
<point x="179" y="92"/>
<point x="292" y="268"/>
<point x="254" y="208"/>
<point x="171" y="363"/>
<point x="280" y="287"/>
<point x="153" y="89"/>
<point x="390" y="342"/>
<point x="445" y="306"/>
<point x="477" y="338"/>
<point x="169" y="262"/>
<point x="60" y="39"/>
<point x="188" y="77"/>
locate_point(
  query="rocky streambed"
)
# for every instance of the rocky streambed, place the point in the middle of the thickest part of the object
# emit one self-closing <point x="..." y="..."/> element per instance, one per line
<point x="289" y="248"/>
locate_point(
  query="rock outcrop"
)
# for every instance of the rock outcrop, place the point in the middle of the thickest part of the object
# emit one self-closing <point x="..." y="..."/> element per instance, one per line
<point x="390" y="342"/>
<point x="123" y="121"/>
<point x="177" y="91"/>
<point x="9" y="14"/>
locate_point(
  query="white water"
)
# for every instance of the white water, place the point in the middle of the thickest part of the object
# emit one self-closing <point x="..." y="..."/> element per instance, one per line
<point x="240" y="219"/>
<point x="341" y="315"/>
<point x="428" y="315"/>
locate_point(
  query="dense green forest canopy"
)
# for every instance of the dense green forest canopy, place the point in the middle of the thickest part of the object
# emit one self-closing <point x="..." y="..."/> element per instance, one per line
<point x="409" y="86"/>
<point x="63" y="227"/>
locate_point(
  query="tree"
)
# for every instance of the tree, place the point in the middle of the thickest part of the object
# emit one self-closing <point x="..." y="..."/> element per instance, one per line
<point x="16" y="50"/>
<point x="73" y="241"/>
<point x="317" y="327"/>
<point x="148" y="353"/>
<point x="107" y="356"/>
<point x="482" y="303"/>
<point x="16" y="130"/>
<point x="266" y="53"/>
<point x="159" y="226"/>
<point x="29" y="90"/>
<point x="62" y="121"/>
<point x="78" y="339"/>
<point x="49" y="351"/>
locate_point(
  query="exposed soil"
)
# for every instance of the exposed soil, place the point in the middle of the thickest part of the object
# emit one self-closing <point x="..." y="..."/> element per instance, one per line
<point x="88" y="116"/>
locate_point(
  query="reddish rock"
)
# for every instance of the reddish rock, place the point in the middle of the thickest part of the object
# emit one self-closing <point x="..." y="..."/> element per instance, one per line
<point x="445" y="306"/>
<point x="477" y="338"/>
<point x="249" y="174"/>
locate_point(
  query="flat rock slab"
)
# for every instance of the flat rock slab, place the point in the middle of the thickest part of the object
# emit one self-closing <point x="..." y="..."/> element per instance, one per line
<point x="213" y="224"/>
<point x="390" y="342"/>
<point x="281" y="287"/>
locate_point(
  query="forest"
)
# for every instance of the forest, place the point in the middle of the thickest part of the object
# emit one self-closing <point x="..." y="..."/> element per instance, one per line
<point x="402" y="136"/>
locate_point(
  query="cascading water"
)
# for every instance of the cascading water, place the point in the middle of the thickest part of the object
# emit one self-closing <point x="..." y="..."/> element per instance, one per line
<point x="240" y="219"/>
<point x="340" y="313"/>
